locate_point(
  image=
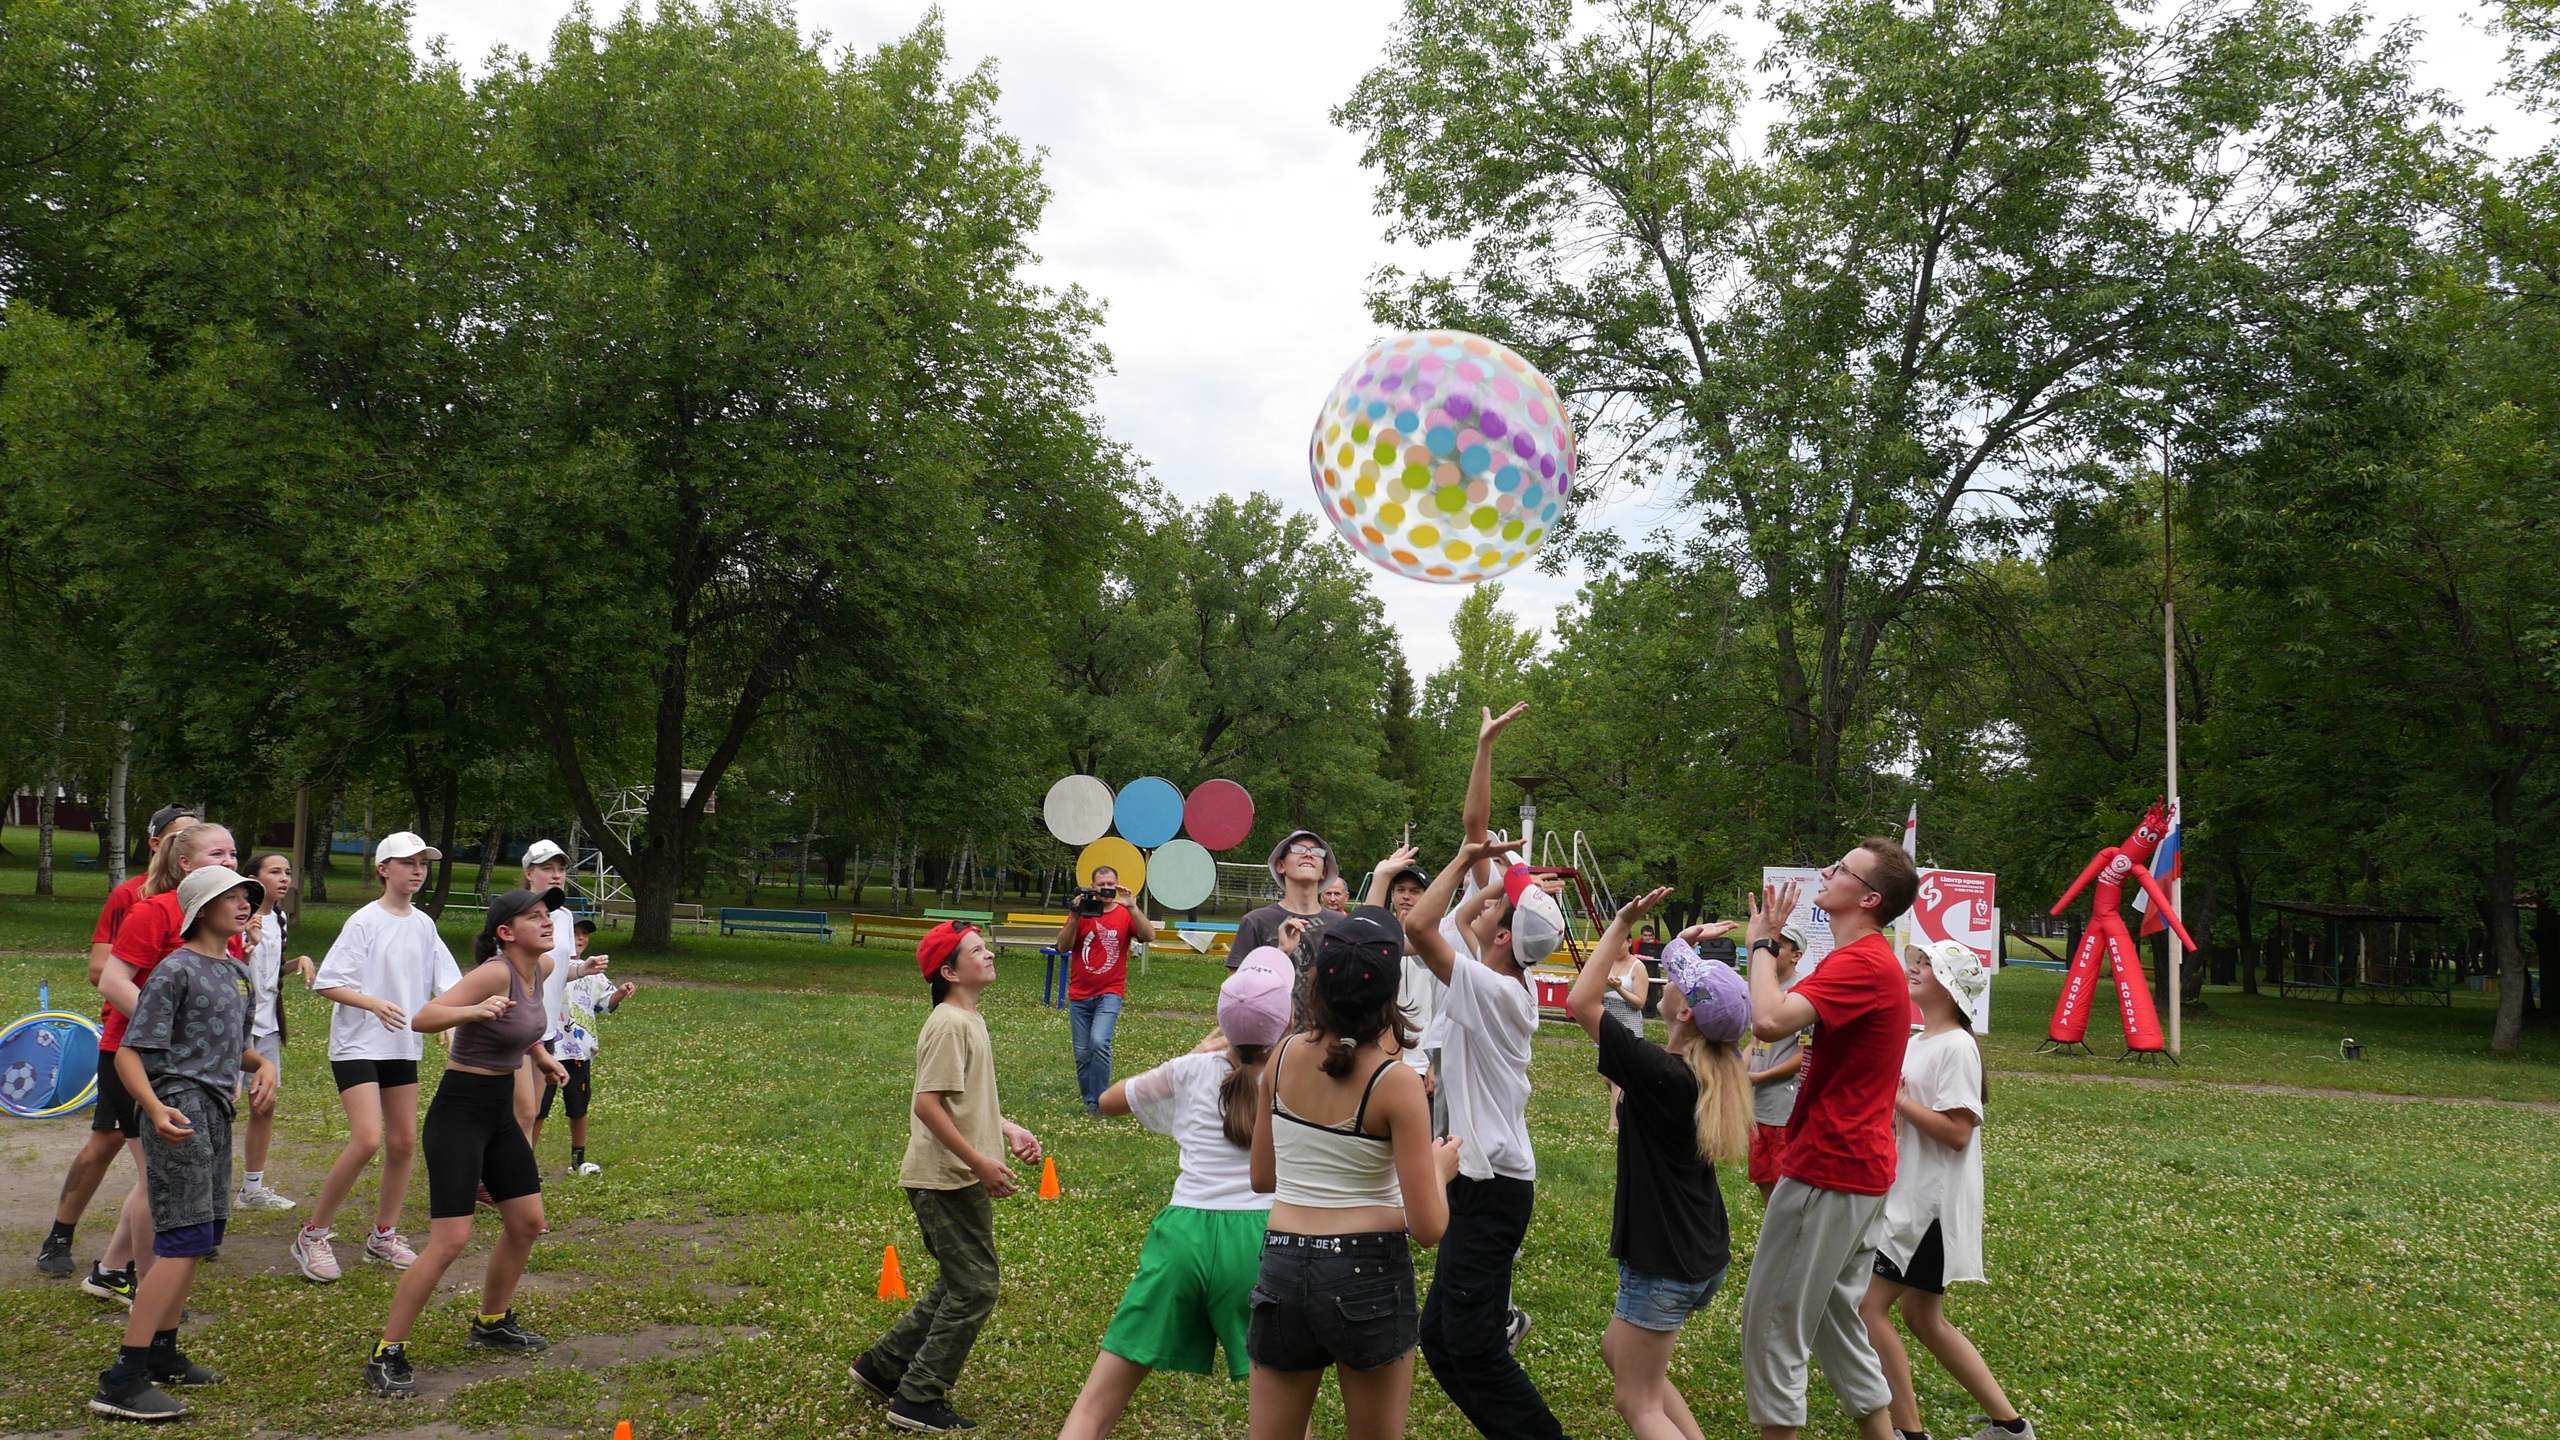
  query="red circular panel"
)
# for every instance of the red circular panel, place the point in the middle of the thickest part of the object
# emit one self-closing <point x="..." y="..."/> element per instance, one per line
<point x="1219" y="814"/>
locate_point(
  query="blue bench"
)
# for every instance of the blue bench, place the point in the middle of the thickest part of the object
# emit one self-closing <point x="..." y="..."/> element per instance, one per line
<point x="775" y="922"/>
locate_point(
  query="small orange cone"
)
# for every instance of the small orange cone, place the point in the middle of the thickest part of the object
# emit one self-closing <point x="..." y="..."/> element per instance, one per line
<point x="1049" y="1179"/>
<point x="621" y="1430"/>
<point x="893" y="1286"/>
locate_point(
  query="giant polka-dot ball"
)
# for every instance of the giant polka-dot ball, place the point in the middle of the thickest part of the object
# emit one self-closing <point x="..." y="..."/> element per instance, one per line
<point x="1443" y="457"/>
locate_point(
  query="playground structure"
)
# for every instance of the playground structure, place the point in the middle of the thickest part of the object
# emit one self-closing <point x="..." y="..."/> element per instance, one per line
<point x="2342" y="952"/>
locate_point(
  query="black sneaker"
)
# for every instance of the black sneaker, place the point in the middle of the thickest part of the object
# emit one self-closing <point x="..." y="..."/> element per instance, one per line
<point x="882" y="1385"/>
<point x="388" y="1372"/>
<point x="135" y="1399"/>
<point x="106" y="1284"/>
<point x="177" y="1369"/>
<point x="506" y="1334"/>
<point x="53" y="1258"/>
<point x="933" y="1419"/>
<point x="1515" y="1328"/>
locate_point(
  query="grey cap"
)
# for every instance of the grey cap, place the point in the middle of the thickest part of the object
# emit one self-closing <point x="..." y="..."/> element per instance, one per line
<point x="1332" y="863"/>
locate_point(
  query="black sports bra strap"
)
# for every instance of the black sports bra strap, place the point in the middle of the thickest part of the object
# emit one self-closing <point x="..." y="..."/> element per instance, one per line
<point x="1360" y="1117"/>
<point x="1276" y="1062"/>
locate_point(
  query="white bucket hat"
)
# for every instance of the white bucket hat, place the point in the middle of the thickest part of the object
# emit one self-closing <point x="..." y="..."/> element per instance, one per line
<point x="204" y="886"/>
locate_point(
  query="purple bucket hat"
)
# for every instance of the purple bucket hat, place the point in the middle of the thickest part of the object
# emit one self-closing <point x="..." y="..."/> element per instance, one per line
<point x="1719" y="999"/>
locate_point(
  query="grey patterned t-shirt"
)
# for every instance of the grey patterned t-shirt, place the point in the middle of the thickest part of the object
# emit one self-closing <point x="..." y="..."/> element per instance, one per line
<point x="192" y="1022"/>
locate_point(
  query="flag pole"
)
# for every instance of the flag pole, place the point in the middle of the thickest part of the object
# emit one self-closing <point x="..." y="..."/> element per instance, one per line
<point x="2169" y="684"/>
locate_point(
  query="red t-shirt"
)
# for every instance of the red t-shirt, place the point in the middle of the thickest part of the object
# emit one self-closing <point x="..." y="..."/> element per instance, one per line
<point x="1100" y="963"/>
<point x="1841" y="1135"/>
<point x="149" y="933"/>
<point x="111" y="915"/>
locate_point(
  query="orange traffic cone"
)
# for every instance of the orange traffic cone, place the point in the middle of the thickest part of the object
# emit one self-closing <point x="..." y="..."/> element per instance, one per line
<point x="1049" y="1179"/>
<point x="893" y="1286"/>
<point x="621" y="1430"/>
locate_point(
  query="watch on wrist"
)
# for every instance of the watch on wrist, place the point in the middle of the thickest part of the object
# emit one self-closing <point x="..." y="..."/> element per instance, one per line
<point x="1763" y="943"/>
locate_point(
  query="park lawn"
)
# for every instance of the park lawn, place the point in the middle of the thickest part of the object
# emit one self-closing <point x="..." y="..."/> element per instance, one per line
<point x="2198" y="1260"/>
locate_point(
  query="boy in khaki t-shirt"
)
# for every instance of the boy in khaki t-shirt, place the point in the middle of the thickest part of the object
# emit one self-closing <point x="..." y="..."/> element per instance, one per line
<point x="954" y="1172"/>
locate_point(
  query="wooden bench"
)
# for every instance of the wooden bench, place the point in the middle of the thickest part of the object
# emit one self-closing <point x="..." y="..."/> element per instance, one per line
<point x="983" y="919"/>
<point x="734" y="918"/>
<point x="897" y="929"/>
<point x="622" y="912"/>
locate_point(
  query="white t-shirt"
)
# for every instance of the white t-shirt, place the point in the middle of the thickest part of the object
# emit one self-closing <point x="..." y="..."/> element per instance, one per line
<point x="565" y="967"/>
<point x="266" y="969"/>
<point x="1421" y="994"/>
<point x="399" y="958"/>
<point x="1485" y="1028"/>
<point x="1462" y="945"/>
<point x="1932" y="1182"/>
<point x="1180" y="1098"/>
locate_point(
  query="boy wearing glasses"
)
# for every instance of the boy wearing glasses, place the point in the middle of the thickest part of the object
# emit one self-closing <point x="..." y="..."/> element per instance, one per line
<point x="1815" y="1255"/>
<point x="1302" y="863"/>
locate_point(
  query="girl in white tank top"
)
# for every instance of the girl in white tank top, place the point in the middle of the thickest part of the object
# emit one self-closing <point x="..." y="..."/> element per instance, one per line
<point x="1344" y="1147"/>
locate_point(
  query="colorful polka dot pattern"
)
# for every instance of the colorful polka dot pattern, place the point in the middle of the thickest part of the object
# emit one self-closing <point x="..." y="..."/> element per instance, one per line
<point x="1443" y="456"/>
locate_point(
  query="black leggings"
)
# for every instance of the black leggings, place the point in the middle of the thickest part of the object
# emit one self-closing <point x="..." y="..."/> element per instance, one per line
<point x="470" y="1139"/>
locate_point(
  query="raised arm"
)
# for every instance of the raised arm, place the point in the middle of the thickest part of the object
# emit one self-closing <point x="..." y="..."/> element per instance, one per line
<point x="1776" y="1012"/>
<point x="1422" y="922"/>
<point x="1591" y="983"/>
<point x="1478" y="814"/>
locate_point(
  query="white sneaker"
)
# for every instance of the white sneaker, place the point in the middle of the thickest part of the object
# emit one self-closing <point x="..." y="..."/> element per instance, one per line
<point x="260" y="1197"/>
<point x="389" y="1249"/>
<point x="1990" y="1431"/>
<point x="313" y="1257"/>
<point x="589" y="1167"/>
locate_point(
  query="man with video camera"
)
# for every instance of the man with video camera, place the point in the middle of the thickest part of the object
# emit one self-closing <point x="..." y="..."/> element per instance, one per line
<point x="1101" y="924"/>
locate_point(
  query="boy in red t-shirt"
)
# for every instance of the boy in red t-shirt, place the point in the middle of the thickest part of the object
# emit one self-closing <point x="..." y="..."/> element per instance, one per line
<point x="1097" y="947"/>
<point x="1815" y="1254"/>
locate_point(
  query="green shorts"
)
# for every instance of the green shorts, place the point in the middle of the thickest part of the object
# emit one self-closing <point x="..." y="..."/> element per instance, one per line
<point x="1193" y="1291"/>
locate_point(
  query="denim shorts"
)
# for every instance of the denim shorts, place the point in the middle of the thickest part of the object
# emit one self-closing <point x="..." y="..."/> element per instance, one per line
<point x="1333" y="1300"/>
<point x="1660" y="1302"/>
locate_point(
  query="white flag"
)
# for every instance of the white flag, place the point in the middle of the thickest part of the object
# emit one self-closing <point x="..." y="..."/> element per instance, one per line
<point x="1911" y="834"/>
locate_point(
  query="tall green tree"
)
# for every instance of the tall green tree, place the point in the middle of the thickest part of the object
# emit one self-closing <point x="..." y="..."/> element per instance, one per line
<point x="1978" y="245"/>
<point x="776" y="387"/>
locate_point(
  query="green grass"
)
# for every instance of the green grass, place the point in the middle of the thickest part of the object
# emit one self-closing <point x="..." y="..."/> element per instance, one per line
<point x="2197" y="1260"/>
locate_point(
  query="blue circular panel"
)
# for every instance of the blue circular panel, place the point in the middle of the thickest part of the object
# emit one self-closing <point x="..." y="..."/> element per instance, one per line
<point x="1148" y="812"/>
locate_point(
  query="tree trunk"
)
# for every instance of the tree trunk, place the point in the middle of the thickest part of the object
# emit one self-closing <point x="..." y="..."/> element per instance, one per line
<point x="492" y="840"/>
<point x="2244" y="914"/>
<point x="324" y="841"/>
<point x="121" y="777"/>
<point x="2500" y="906"/>
<point x="444" y="842"/>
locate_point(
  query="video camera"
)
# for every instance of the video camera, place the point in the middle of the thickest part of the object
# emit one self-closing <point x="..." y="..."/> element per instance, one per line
<point x="1089" y="901"/>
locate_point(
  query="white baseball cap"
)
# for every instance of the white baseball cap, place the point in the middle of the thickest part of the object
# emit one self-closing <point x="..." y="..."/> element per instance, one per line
<point x="402" y="845"/>
<point x="544" y="850"/>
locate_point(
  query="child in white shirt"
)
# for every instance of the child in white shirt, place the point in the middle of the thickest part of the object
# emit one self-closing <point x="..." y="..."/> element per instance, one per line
<point x="574" y="1043"/>
<point x="1932" y="1226"/>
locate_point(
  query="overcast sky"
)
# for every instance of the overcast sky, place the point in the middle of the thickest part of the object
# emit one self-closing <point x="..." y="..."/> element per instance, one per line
<point x="1203" y="195"/>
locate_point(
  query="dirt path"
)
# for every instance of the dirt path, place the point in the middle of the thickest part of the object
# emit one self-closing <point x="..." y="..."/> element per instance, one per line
<point x="2306" y="1092"/>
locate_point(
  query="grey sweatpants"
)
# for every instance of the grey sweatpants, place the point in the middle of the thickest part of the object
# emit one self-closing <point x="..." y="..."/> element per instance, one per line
<point x="1815" y="1258"/>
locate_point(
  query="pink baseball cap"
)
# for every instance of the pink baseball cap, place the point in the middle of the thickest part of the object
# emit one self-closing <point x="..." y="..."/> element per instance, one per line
<point x="1268" y="957"/>
<point x="1253" y="1005"/>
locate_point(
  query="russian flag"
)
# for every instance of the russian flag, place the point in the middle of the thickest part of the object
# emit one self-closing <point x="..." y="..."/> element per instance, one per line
<point x="2168" y="863"/>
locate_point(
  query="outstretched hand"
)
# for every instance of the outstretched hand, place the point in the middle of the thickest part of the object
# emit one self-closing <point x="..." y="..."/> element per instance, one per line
<point x="1771" y="907"/>
<point x="1495" y="724"/>
<point x="1395" y="864"/>
<point x="1641" y="906"/>
<point x="1710" y="930"/>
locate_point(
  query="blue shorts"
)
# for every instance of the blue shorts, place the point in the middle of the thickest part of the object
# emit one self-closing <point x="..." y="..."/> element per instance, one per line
<point x="188" y="1241"/>
<point x="1660" y="1302"/>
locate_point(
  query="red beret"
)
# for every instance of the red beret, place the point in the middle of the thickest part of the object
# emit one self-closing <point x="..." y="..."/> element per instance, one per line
<point x="938" y="946"/>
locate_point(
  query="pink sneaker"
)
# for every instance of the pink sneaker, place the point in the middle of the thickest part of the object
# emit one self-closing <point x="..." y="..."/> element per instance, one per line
<point x="388" y="1248"/>
<point x="312" y="1255"/>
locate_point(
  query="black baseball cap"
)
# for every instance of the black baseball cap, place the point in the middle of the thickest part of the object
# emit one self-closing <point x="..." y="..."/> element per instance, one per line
<point x="1370" y="931"/>
<point x="504" y="910"/>
<point x="167" y="815"/>
<point x="1414" y="873"/>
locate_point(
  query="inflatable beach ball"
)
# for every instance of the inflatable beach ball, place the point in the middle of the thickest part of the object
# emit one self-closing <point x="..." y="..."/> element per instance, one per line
<point x="1443" y="456"/>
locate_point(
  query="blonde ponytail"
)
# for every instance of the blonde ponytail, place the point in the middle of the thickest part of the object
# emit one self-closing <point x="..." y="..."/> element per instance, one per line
<point x="1724" y="1099"/>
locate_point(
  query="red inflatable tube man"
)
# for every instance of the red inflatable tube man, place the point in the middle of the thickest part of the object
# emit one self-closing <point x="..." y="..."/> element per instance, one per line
<point x="2108" y="938"/>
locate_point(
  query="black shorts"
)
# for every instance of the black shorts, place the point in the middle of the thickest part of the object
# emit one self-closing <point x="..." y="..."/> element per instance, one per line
<point x="579" y="1091"/>
<point x="389" y="1074"/>
<point x="1325" y="1300"/>
<point x="471" y="1139"/>
<point x="115" y="1109"/>
<point x="1928" y="1267"/>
